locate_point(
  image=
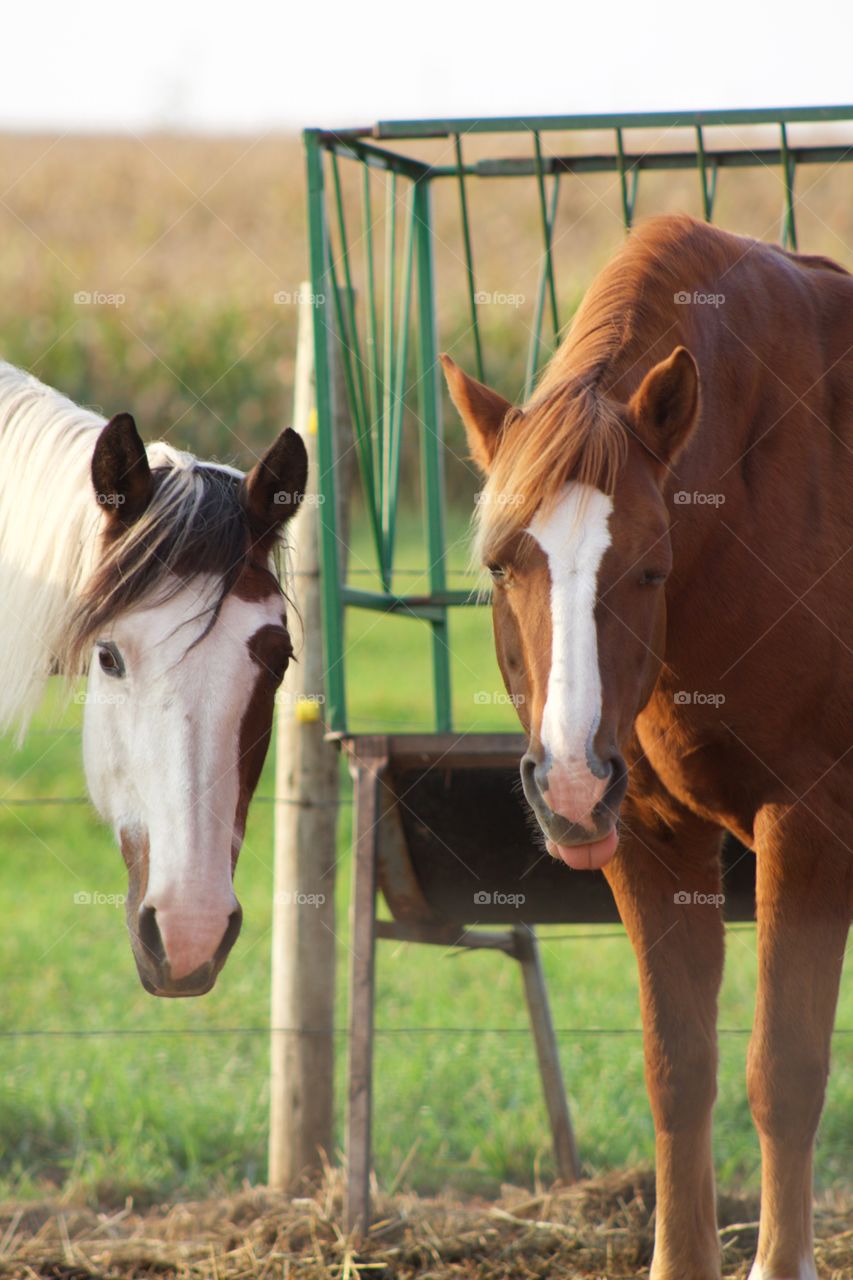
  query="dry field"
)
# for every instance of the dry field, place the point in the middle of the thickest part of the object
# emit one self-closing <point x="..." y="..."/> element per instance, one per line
<point x="602" y="1228"/>
<point x="182" y="245"/>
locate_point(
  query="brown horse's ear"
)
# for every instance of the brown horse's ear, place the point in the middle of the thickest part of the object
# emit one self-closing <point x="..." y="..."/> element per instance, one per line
<point x="482" y="412"/>
<point x="121" y="475"/>
<point x="273" y="490"/>
<point x="665" y="405"/>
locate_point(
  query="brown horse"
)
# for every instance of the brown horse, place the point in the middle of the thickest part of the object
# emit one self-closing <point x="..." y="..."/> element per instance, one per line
<point x="668" y="524"/>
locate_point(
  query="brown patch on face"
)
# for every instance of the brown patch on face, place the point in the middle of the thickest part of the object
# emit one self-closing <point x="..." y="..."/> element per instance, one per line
<point x="135" y="849"/>
<point x="271" y="649"/>
<point x="256" y="582"/>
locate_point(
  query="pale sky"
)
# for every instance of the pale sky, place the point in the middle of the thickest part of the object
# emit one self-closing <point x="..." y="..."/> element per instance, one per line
<point x="252" y="66"/>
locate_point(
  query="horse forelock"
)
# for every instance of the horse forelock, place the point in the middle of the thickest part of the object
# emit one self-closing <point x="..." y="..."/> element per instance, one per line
<point x="195" y="527"/>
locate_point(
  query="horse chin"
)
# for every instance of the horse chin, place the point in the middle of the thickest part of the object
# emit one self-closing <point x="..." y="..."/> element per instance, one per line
<point x="194" y="984"/>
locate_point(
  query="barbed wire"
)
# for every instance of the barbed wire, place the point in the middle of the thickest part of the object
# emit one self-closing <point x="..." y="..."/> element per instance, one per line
<point x="343" y="1032"/>
<point x="11" y="802"/>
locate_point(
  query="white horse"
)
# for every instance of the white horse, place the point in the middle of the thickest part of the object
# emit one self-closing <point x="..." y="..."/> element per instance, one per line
<point x="153" y="571"/>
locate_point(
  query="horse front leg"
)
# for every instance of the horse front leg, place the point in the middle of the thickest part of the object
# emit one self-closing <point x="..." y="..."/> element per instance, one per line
<point x="804" y="902"/>
<point x="666" y="881"/>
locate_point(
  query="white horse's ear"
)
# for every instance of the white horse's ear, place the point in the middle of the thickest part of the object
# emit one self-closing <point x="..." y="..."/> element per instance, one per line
<point x="274" y="488"/>
<point x="121" y="475"/>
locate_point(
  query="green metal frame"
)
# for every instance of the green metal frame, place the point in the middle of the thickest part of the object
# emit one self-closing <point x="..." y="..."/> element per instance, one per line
<point x="374" y="358"/>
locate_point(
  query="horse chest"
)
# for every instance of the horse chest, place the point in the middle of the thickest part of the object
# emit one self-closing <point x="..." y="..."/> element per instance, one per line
<point x="702" y="766"/>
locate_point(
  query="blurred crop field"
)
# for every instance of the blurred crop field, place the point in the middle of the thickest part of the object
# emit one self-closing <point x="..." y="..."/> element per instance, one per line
<point x="159" y="275"/>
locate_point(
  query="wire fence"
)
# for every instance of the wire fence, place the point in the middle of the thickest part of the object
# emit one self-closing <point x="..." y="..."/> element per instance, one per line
<point x="343" y="1033"/>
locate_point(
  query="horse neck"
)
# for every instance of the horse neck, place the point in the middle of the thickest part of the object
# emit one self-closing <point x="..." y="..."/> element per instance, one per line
<point x="48" y="532"/>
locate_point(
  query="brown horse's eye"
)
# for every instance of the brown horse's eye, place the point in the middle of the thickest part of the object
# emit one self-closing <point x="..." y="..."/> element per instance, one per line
<point x="652" y="578"/>
<point x="110" y="660"/>
<point x="497" y="571"/>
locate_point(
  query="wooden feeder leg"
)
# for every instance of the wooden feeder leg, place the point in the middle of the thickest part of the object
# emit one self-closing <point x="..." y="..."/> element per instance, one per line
<point x="362" y="973"/>
<point x="565" y="1148"/>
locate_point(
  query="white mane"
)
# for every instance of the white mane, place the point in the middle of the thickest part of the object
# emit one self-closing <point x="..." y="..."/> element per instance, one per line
<point x="49" y="526"/>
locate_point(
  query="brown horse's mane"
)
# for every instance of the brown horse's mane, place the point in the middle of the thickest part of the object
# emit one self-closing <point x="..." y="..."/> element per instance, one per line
<point x="574" y="426"/>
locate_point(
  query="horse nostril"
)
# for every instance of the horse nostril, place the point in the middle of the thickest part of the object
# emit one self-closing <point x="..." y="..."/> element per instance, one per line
<point x="528" y="775"/>
<point x="229" y="937"/>
<point x="617" y="781"/>
<point x="149" y="934"/>
<point x="598" y="767"/>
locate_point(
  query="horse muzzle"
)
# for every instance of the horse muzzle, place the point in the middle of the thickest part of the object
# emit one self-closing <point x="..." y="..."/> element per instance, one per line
<point x="584" y="836"/>
<point x="176" y="959"/>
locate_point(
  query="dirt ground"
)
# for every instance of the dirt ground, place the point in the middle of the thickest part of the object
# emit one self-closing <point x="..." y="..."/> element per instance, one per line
<point x="601" y="1228"/>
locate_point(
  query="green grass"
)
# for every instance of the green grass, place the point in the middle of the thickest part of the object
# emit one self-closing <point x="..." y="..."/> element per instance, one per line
<point x="183" y="1107"/>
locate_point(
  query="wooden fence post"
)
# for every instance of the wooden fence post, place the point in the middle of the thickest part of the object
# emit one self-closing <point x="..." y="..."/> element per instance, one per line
<point x="307" y="784"/>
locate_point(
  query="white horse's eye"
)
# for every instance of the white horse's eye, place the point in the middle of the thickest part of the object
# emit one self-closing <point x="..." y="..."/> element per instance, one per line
<point x="110" y="659"/>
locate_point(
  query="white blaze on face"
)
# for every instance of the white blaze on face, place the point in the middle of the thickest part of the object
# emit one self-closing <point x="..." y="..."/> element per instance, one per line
<point x="574" y="536"/>
<point x="161" y="750"/>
